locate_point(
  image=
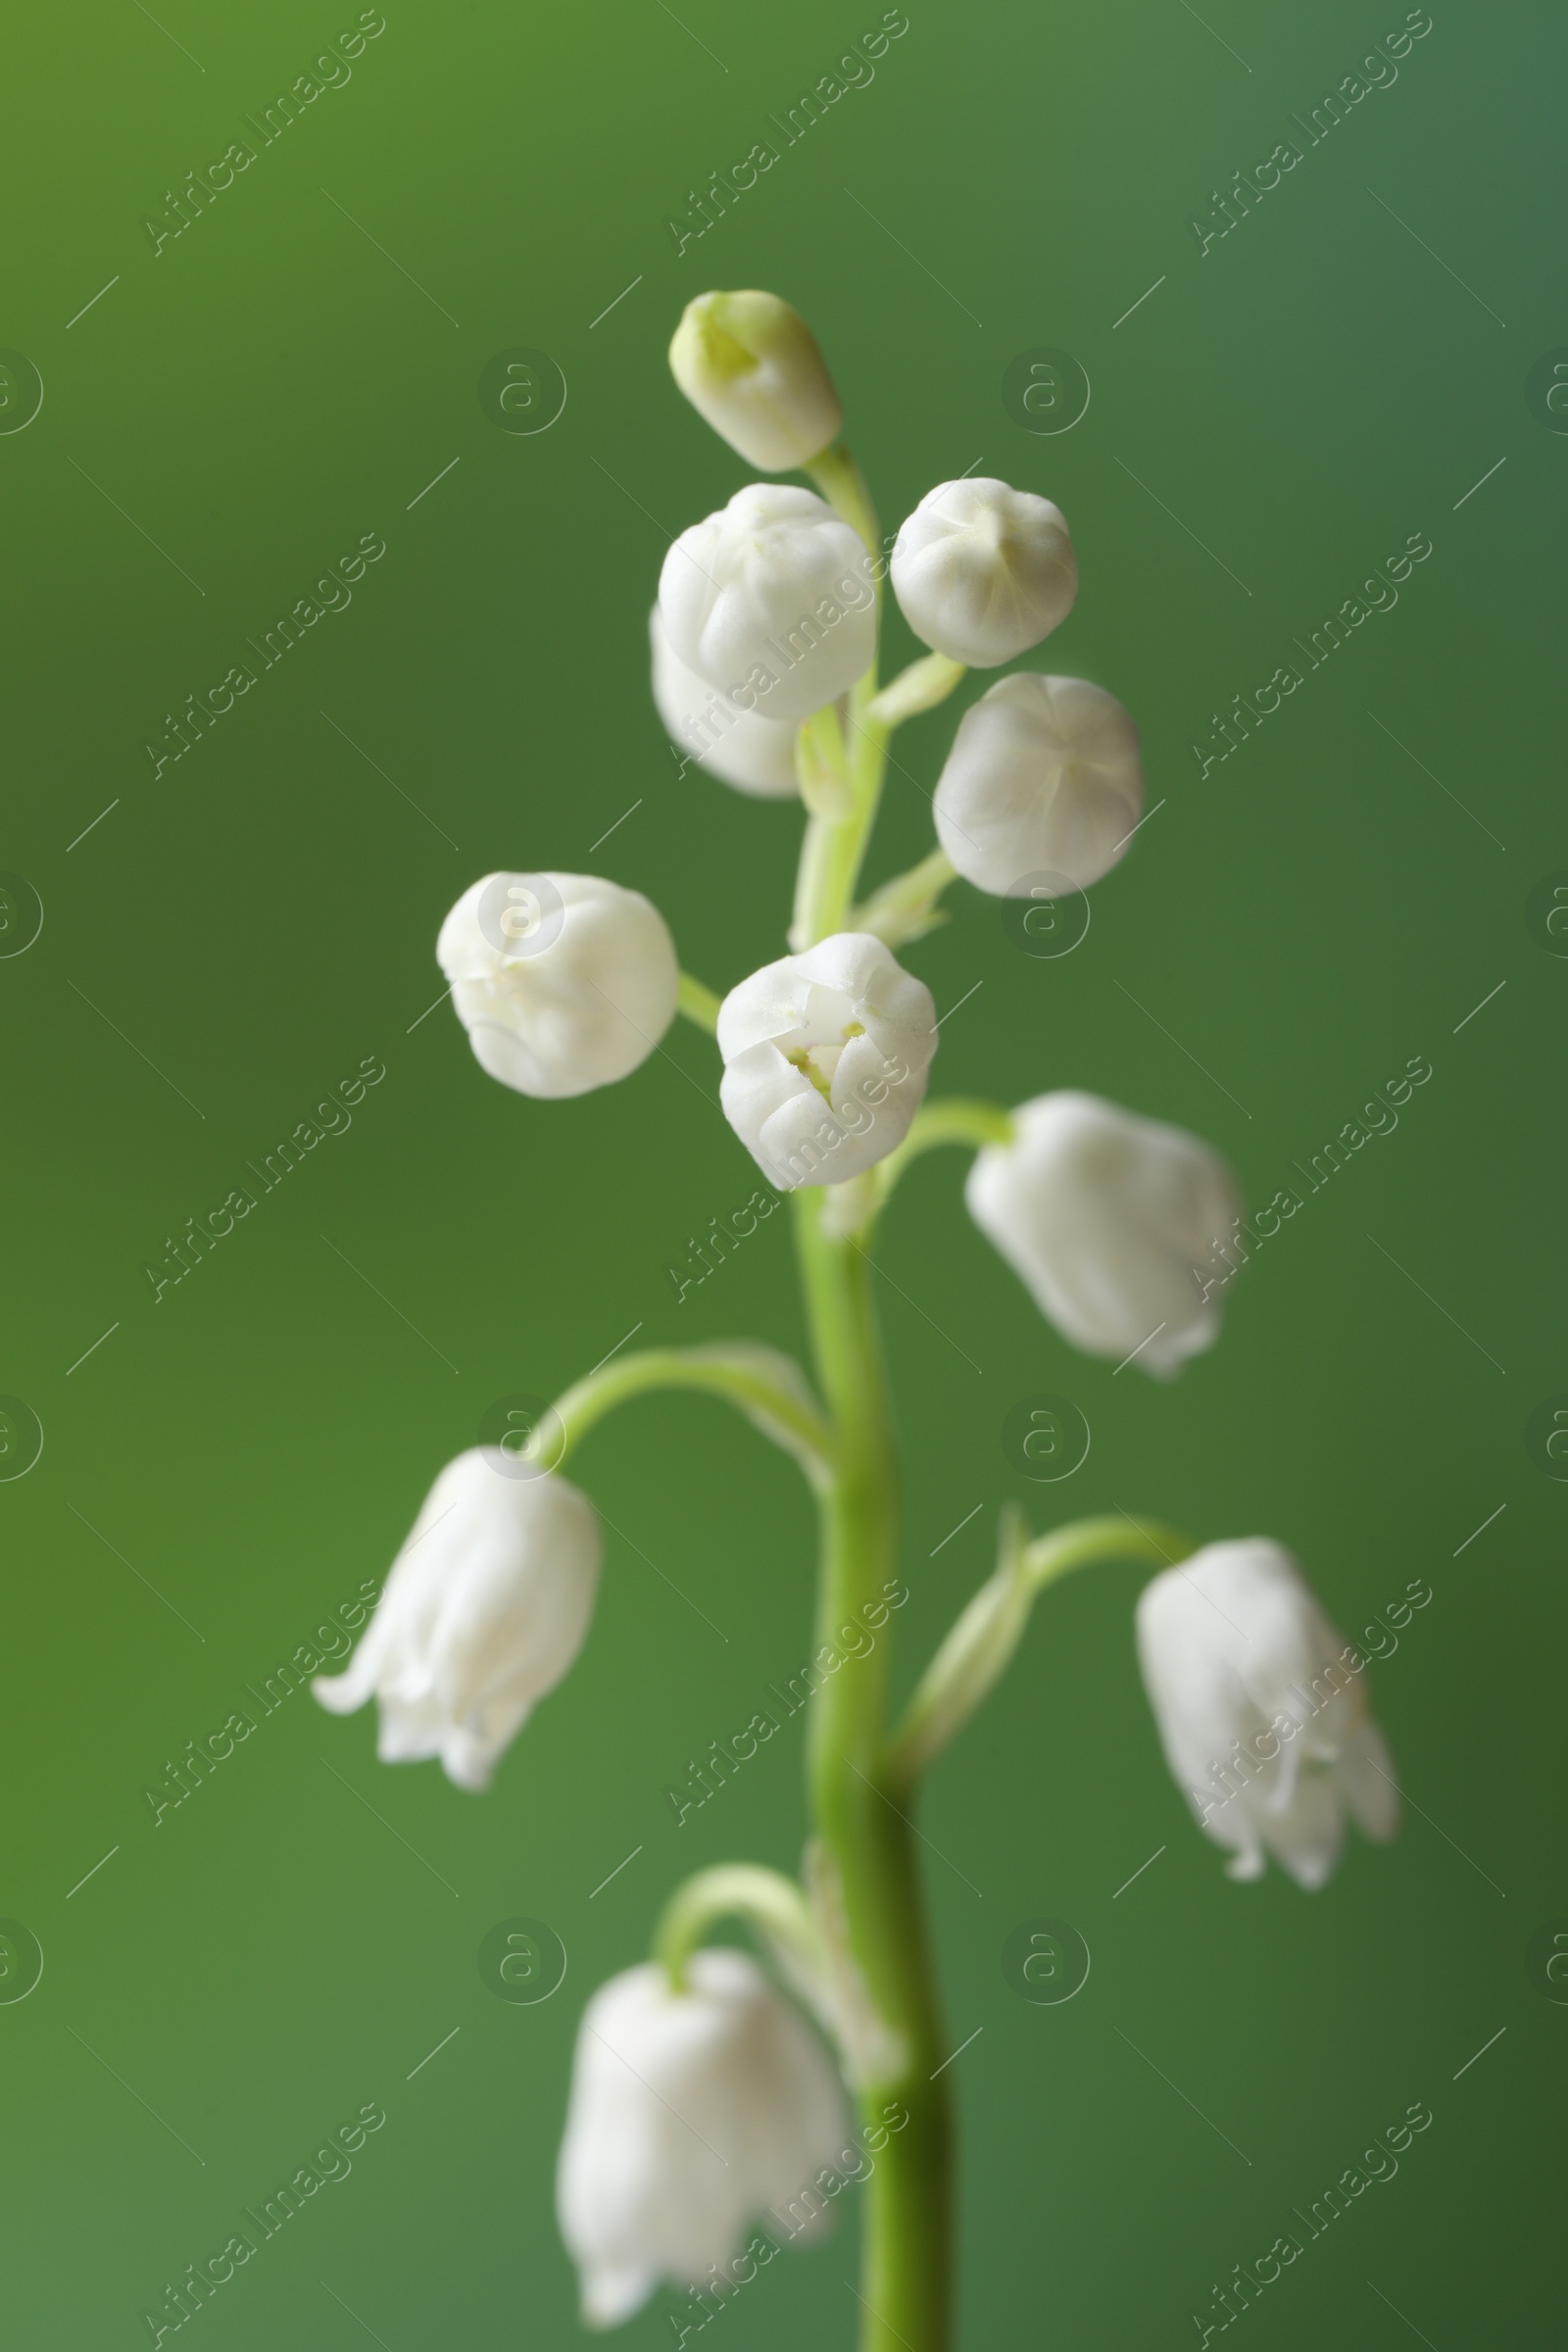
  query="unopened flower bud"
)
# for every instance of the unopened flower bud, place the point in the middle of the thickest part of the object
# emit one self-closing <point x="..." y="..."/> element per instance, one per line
<point x="1262" y="1710"/>
<point x="772" y="601"/>
<point x="1043" y="784"/>
<point x="485" y="1608"/>
<point x="982" y="571"/>
<point x="755" y="755"/>
<point x="562" y="981"/>
<point x="1104" y="1216"/>
<point x="750" y="367"/>
<point x="826" y="1057"/>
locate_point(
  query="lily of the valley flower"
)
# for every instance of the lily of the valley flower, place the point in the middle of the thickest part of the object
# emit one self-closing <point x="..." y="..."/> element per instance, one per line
<point x="983" y="571"/>
<point x="826" y="1055"/>
<point x="750" y="367"/>
<point x="755" y="755"/>
<point x="1042" y="780"/>
<point x="1104" y="1215"/>
<point x="485" y="1608"/>
<point x="690" y="2113"/>
<point x="562" y="981"/>
<point x="772" y="601"/>
<point x="1262" y="1710"/>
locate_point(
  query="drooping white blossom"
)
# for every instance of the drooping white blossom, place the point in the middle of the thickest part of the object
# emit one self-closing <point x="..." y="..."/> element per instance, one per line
<point x="982" y="571"/>
<point x="691" y="2112"/>
<point x="1042" y="780"/>
<point x="1262" y="1710"/>
<point x="750" y="367"/>
<point x="826" y="1055"/>
<point x="755" y="755"/>
<point x="484" y="1609"/>
<point x="772" y="601"/>
<point x="1103" y="1216"/>
<point x="562" y="981"/>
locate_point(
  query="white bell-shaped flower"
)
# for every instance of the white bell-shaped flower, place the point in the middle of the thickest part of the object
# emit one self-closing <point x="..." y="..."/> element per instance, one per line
<point x="1043" y="784"/>
<point x="826" y="1055"/>
<point x="754" y="753"/>
<point x="750" y="367"/>
<point x="485" y="1608"/>
<point x="772" y="601"/>
<point x="691" y="2112"/>
<point x="983" y="571"/>
<point x="562" y="981"/>
<point x="1104" y="1216"/>
<point x="1262" y="1710"/>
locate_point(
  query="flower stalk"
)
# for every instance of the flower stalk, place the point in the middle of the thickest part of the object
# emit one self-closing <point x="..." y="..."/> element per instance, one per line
<point x="765" y="1898"/>
<point x="906" y="908"/>
<point x="978" y="1650"/>
<point x="767" y="1386"/>
<point x="867" y="1836"/>
<point x="920" y="687"/>
<point x="697" y="1003"/>
<point x="951" y="1119"/>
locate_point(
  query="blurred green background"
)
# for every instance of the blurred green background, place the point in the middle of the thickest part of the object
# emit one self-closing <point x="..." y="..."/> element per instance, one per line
<point x="233" y="935"/>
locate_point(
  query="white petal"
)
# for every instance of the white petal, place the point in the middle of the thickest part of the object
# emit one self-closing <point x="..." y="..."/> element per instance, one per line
<point x="485" y="1609"/>
<point x="1308" y="1839"/>
<point x="577" y="1002"/>
<point x="983" y="571"/>
<point x="611" y="2295"/>
<point x="755" y="754"/>
<point x="772" y="595"/>
<point x="750" y="367"/>
<point x="689" y="2114"/>
<point x="408" y="1732"/>
<point x="868" y="1030"/>
<point x="1044" y="778"/>
<point x="1103" y="1216"/>
<point x="1262" y="1709"/>
<point x="767" y="1008"/>
<point x="343" y="1693"/>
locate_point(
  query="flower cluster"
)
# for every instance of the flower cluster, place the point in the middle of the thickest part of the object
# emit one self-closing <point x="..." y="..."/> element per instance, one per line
<point x="700" y="2095"/>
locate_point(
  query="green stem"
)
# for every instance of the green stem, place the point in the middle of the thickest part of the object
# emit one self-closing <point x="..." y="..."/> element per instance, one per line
<point x="745" y="1890"/>
<point x="769" y="1388"/>
<point x="843" y="485"/>
<point x="698" y="1004"/>
<point x="905" y="908"/>
<point x="920" y="687"/>
<point x="823" y="766"/>
<point x="835" y="844"/>
<point x="869" y="1839"/>
<point x="979" y="1649"/>
<point x="951" y="1119"/>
